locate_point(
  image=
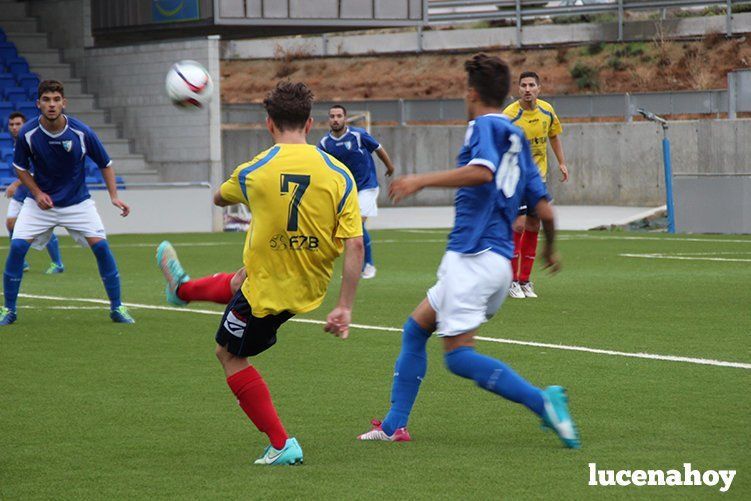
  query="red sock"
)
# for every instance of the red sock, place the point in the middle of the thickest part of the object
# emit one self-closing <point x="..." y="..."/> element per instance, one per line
<point x="528" y="252"/>
<point x="517" y="251"/>
<point x="215" y="288"/>
<point x="254" y="398"/>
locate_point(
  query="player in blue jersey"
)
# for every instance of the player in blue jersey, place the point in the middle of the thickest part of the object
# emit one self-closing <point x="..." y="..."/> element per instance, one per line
<point x="495" y="175"/>
<point x="354" y="147"/>
<point x="17" y="193"/>
<point x="57" y="145"/>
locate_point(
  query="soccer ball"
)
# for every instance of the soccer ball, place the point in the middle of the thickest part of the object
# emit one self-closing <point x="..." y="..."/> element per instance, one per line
<point x="189" y="85"/>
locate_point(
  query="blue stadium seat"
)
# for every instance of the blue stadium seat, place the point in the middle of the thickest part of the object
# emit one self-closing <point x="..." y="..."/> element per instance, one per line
<point x="8" y="51"/>
<point x="120" y="182"/>
<point x="28" y="108"/>
<point x="6" y="170"/>
<point x="7" y="180"/>
<point x="3" y="38"/>
<point x="5" y="110"/>
<point x="7" y="80"/>
<point x="28" y="81"/>
<point x="6" y="155"/>
<point x="6" y="140"/>
<point x="15" y="94"/>
<point x="17" y="65"/>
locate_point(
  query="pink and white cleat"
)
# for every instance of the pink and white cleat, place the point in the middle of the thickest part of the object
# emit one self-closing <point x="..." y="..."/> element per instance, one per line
<point x="377" y="433"/>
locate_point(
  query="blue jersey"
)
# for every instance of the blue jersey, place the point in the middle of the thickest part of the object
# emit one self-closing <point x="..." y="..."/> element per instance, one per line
<point x="485" y="213"/>
<point x="354" y="150"/>
<point x="58" y="159"/>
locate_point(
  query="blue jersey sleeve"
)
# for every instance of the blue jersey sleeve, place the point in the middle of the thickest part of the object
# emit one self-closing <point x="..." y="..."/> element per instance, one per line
<point x="369" y="142"/>
<point x="95" y="150"/>
<point x="22" y="154"/>
<point x="322" y="144"/>
<point x="483" y="149"/>
<point x="535" y="188"/>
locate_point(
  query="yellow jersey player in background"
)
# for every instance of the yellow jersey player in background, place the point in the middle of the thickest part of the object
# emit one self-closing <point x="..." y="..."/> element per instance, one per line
<point x="540" y="124"/>
<point x="304" y="214"/>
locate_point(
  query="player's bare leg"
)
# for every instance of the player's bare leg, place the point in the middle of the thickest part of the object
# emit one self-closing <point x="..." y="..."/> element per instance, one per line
<point x="411" y="367"/>
<point x="255" y="400"/>
<point x="110" y="278"/>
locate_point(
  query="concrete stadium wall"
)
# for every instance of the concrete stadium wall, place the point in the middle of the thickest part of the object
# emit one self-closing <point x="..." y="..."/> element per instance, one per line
<point x="610" y="163"/>
<point x="68" y="25"/>
<point x="472" y="39"/>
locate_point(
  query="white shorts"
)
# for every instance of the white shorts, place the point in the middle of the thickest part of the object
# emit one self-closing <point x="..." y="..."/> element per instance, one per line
<point x="368" y="202"/>
<point x="14" y="208"/>
<point x="81" y="220"/>
<point x="469" y="291"/>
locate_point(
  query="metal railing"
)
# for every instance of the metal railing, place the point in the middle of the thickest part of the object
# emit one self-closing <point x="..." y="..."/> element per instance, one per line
<point x="459" y="11"/>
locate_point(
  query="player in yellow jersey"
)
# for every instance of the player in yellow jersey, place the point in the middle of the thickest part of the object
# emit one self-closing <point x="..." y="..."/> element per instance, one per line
<point x="540" y="124"/>
<point x="304" y="214"/>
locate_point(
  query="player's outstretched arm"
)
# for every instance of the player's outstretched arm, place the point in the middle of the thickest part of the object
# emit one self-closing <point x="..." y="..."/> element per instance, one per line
<point x="108" y="174"/>
<point x="11" y="189"/>
<point x="557" y="145"/>
<point x="469" y="175"/>
<point x="337" y="322"/>
<point x="386" y="159"/>
<point x="547" y="217"/>
<point x="43" y="200"/>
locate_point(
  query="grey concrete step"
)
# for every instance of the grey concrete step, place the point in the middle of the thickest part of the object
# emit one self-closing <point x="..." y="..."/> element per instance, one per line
<point x="27" y="24"/>
<point x="49" y="71"/>
<point x="144" y="176"/>
<point x="117" y="147"/>
<point x="80" y="103"/>
<point x="28" y="41"/>
<point x="107" y="132"/>
<point x="93" y="119"/>
<point x="73" y="86"/>
<point x="13" y="11"/>
<point x="125" y="164"/>
<point x="49" y="56"/>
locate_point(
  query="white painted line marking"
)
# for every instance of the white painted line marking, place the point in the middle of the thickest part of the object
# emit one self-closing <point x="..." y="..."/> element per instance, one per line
<point x="686" y="258"/>
<point x="648" y="356"/>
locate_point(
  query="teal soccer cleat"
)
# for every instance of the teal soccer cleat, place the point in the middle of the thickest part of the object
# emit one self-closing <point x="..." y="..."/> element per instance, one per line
<point x="558" y="418"/>
<point x="120" y="315"/>
<point x="7" y="316"/>
<point x="174" y="274"/>
<point x="291" y="454"/>
<point x="26" y="266"/>
<point x="54" y="268"/>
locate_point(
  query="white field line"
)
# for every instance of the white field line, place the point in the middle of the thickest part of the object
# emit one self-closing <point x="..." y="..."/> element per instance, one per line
<point x="687" y="258"/>
<point x="648" y="356"/>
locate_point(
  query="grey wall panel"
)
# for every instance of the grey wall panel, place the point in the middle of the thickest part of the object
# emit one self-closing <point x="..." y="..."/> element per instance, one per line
<point x="697" y="210"/>
<point x="232" y="8"/>
<point x="275" y="8"/>
<point x="305" y="9"/>
<point x="357" y="9"/>
<point x="253" y="8"/>
<point x="391" y="9"/>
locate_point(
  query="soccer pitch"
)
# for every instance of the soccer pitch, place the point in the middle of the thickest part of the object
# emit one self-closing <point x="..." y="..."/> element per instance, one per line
<point x="90" y="409"/>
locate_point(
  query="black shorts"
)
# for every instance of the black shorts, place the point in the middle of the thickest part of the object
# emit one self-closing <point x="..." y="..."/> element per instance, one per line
<point x="245" y="335"/>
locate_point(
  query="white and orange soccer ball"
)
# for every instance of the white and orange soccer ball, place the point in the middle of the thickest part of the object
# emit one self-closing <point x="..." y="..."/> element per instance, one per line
<point x="189" y="85"/>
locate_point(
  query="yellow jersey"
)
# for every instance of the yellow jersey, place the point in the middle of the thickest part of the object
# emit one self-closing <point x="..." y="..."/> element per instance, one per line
<point x="303" y="203"/>
<point x="538" y="125"/>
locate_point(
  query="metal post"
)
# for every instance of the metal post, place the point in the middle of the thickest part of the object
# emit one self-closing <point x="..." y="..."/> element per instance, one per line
<point x="732" y="98"/>
<point x="402" y="113"/>
<point x="668" y="178"/>
<point x="419" y="38"/>
<point x="518" y="23"/>
<point x="628" y="110"/>
<point x="325" y="44"/>
<point x="729" y="18"/>
<point x="620" y="20"/>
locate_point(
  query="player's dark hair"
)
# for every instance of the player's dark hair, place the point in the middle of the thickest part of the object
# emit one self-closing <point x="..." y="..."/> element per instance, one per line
<point x="288" y="105"/>
<point x="50" y="86"/>
<point x="490" y="77"/>
<point x="344" y="110"/>
<point x="530" y="74"/>
<point x="16" y="114"/>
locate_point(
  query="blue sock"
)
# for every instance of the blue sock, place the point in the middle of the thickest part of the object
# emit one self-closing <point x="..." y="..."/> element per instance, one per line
<point x="409" y="372"/>
<point x="14" y="271"/>
<point x="10" y="236"/>
<point x="53" y="249"/>
<point x="368" y="249"/>
<point x="493" y="375"/>
<point x="108" y="271"/>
